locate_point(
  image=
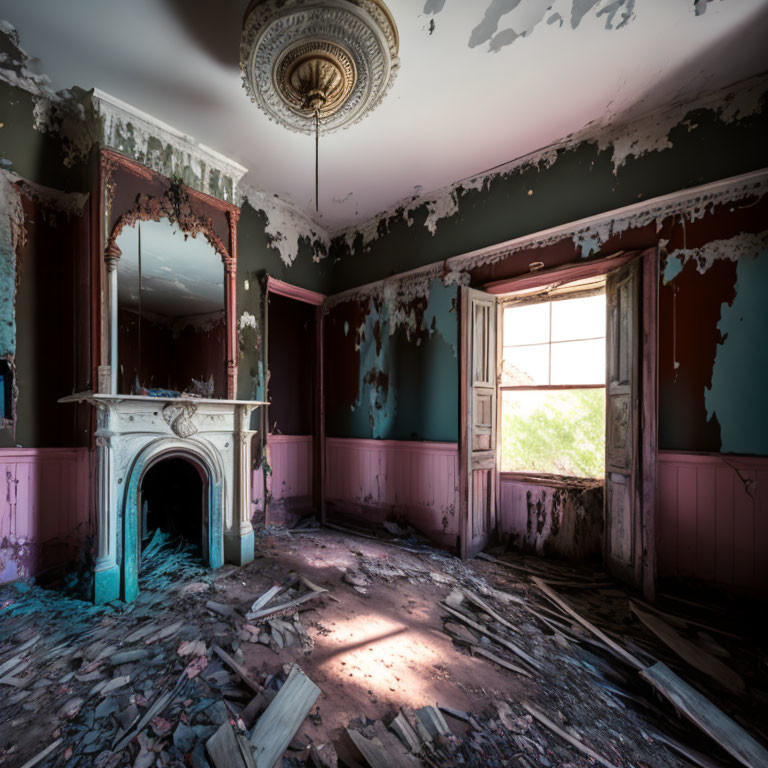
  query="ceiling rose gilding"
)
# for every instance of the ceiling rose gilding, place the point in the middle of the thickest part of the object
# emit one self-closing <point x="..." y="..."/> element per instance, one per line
<point x="330" y="60"/>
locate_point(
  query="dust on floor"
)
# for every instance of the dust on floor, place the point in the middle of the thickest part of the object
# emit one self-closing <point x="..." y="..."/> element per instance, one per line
<point x="383" y="630"/>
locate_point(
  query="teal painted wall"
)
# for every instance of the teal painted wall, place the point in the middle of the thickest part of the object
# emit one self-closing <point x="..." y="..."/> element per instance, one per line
<point x="737" y="395"/>
<point x="401" y="358"/>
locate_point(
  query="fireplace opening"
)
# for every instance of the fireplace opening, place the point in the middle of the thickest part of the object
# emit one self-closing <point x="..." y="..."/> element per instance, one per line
<point x="172" y="500"/>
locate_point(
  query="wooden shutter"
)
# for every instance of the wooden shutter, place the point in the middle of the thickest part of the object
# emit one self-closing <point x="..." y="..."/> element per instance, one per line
<point x="478" y="420"/>
<point x="621" y="421"/>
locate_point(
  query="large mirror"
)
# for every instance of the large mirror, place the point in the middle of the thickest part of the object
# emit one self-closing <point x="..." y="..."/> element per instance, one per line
<point x="171" y="317"/>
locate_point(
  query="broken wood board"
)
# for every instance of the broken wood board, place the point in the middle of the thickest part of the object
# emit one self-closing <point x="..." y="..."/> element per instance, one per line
<point x="493" y="636"/>
<point x="223" y="748"/>
<point x="697" y="657"/>
<point x="433" y="721"/>
<point x="681" y="621"/>
<point x="264" y="612"/>
<point x="612" y="644"/>
<point x="282" y="718"/>
<point x="378" y="756"/>
<point x="687" y="700"/>
<point x="265" y="598"/>
<point x="685" y="751"/>
<point x="480" y="651"/>
<point x="574" y="742"/>
<point x="480" y="603"/>
<point x="42" y="755"/>
<point x="241" y="672"/>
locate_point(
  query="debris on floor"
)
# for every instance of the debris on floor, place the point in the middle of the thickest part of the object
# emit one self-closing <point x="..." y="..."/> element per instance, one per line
<point x="332" y="649"/>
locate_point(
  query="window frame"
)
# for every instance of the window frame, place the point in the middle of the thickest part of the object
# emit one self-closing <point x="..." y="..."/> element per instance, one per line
<point x="540" y="296"/>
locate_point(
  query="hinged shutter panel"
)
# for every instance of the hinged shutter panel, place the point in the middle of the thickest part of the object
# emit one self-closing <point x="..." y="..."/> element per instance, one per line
<point x="622" y="501"/>
<point x="478" y="455"/>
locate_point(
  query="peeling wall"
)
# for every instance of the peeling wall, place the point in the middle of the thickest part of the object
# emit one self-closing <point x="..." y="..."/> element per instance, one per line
<point x="713" y="358"/>
<point x="551" y="520"/>
<point x="603" y="168"/>
<point x="392" y="365"/>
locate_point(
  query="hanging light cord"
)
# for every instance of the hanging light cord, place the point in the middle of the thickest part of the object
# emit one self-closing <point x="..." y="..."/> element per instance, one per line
<point x="317" y="160"/>
<point x="138" y="365"/>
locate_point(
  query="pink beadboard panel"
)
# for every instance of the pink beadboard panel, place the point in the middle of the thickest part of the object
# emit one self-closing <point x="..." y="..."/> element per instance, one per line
<point x="290" y="458"/>
<point x="44" y="508"/>
<point x="546" y="519"/>
<point x="416" y="482"/>
<point x="712" y="521"/>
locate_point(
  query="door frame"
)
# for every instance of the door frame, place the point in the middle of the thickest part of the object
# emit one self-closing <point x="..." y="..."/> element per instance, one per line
<point x="316" y="299"/>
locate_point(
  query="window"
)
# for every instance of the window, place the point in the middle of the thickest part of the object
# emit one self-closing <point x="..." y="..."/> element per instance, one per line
<point x="552" y="385"/>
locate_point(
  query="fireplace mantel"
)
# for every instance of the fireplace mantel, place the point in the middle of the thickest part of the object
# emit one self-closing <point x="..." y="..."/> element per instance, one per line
<point x="136" y="431"/>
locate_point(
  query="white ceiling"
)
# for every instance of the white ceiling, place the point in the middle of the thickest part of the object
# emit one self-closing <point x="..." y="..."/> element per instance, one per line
<point x="464" y="101"/>
<point x="179" y="278"/>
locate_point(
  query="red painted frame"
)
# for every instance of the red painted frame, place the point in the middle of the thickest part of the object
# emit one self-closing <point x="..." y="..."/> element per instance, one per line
<point x="109" y="162"/>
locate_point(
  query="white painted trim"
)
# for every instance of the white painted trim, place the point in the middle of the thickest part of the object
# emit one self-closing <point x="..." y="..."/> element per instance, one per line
<point x="112" y="103"/>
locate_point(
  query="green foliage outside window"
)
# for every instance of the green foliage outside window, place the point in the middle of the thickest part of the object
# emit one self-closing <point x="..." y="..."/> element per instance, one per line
<point x="559" y="432"/>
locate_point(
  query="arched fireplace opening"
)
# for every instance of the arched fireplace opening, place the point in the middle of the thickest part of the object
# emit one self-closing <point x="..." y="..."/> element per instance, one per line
<point x="173" y="500"/>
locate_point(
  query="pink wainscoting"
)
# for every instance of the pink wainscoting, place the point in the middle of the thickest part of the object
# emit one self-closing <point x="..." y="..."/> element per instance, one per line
<point x="290" y="457"/>
<point x="44" y="508"/>
<point x="712" y="521"/>
<point x="413" y="481"/>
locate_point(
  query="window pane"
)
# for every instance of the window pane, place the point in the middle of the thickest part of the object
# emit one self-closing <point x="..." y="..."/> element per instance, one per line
<point x="560" y="432"/>
<point x="578" y="362"/>
<point x="528" y="324"/>
<point x="525" y="366"/>
<point x="578" y="318"/>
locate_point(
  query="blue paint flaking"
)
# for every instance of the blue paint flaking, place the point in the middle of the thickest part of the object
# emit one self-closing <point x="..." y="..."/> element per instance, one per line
<point x="737" y="399"/>
<point x="673" y="268"/>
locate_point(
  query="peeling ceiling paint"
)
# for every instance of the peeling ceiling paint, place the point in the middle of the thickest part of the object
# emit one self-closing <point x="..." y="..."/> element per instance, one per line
<point x="539" y="70"/>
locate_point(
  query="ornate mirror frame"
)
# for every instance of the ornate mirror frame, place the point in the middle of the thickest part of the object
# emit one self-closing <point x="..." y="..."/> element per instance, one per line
<point x="156" y="198"/>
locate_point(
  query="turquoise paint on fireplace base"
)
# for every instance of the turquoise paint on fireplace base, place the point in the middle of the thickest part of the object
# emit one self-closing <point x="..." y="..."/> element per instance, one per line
<point x="106" y="585"/>
<point x="208" y="463"/>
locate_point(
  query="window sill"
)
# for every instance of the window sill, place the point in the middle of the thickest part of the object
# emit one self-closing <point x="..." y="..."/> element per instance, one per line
<point x="554" y="481"/>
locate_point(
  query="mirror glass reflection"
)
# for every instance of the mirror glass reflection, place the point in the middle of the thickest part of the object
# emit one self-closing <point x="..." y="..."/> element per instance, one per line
<point x="171" y="313"/>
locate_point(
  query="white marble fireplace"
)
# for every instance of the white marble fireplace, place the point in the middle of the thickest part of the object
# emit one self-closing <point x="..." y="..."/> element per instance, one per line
<point x="133" y="434"/>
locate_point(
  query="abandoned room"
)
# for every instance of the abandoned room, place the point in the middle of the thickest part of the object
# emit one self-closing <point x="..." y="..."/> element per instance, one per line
<point x="383" y="383"/>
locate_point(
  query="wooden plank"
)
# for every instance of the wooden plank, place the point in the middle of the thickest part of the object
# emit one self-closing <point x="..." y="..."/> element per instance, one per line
<point x="614" y="646"/>
<point x="42" y="755"/>
<point x="241" y="672"/>
<point x="493" y="636"/>
<point x="284" y="606"/>
<point x="574" y="742"/>
<point x="282" y="718"/>
<point x="223" y="748"/>
<point x="480" y="651"/>
<point x="377" y="755"/>
<point x="693" y="654"/>
<point x="730" y="736"/>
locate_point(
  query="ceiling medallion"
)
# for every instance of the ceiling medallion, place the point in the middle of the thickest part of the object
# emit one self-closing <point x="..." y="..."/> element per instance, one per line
<point x="314" y="65"/>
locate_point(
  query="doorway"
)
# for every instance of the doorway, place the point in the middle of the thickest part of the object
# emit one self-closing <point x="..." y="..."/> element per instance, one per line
<point x="292" y="354"/>
<point x="172" y="500"/>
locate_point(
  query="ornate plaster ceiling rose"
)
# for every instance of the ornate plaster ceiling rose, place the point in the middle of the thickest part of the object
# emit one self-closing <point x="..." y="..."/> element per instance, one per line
<point x="330" y="60"/>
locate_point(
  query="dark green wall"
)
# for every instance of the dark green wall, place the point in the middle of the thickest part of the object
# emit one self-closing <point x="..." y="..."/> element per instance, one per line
<point x="580" y="183"/>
